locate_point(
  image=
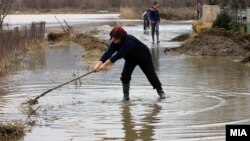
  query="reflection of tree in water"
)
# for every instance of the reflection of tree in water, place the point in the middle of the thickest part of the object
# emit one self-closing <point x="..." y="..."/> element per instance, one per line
<point x="147" y="130"/>
<point x="155" y="57"/>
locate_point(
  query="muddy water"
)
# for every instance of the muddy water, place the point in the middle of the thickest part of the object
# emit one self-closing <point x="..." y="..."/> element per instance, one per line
<point x="205" y="94"/>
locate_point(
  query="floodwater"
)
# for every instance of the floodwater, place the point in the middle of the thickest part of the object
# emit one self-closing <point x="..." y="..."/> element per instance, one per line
<point x="51" y="20"/>
<point x="204" y="94"/>
<point x="54" y="22"/>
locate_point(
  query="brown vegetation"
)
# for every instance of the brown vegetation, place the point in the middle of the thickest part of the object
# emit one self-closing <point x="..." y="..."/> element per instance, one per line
<point x="15" y="42"/>
<point x="129" y="13"/>
<point x="131" y="9"/>
<point x="12" y="129"/>
<point x="97" y="4"/>
<point x="68" y="5"/>
<point x="72" y="4"/>
<point x="199" y="26"/>
<point x="4" y="64"/>
<point x="56" y="36"/>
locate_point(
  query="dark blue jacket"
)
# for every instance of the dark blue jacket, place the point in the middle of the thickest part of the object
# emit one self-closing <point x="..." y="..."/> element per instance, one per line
<point x="129" y="49"/>
<point x="154" y="15"/>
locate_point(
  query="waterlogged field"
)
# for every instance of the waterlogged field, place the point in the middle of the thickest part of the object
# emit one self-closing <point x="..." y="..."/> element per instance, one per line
<point x="204" y="94"/>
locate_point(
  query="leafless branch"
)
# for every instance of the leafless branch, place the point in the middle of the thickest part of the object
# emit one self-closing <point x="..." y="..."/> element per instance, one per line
<point x="5" y="6"/>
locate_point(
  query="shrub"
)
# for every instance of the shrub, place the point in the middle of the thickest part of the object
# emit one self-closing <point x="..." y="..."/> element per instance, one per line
<point x="223" y="20"/>
<point x="236" y="27"/>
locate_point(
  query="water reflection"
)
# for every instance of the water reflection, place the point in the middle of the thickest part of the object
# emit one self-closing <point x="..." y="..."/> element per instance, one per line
<point x="217" y="72"/>
<point x="155" y="57"/>
<point x="146" y="32"/>
<point x="146" y="130"/>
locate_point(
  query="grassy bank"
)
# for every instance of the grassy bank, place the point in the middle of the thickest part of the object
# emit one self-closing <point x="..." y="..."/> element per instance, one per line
<point x="15" y="61"/>
<point x="16" y="43"/>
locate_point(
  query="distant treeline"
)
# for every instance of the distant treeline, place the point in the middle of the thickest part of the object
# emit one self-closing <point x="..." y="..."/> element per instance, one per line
<point x="104" y="4"/>
<point x="101" y="4"/>
<point x="66" y="3"/>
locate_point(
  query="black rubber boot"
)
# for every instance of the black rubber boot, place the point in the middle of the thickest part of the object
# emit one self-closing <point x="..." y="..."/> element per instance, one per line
<point x="125" y="91"/>
<point x="161" y="94"/>
<point x="158" y="40"/>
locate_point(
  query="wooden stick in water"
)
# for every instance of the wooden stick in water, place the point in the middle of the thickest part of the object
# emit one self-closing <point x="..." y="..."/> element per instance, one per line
<point x="35" y="101"/>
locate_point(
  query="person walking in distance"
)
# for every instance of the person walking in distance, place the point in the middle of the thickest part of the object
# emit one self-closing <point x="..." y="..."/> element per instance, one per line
<point x="135" y="53"/>
<point x="155" y="22"/>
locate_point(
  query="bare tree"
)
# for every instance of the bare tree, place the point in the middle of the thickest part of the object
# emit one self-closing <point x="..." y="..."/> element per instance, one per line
<point x="5" y="6"/>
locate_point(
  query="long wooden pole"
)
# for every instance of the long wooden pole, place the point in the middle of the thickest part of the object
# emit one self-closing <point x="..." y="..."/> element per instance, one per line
<point x="43" y="94"/>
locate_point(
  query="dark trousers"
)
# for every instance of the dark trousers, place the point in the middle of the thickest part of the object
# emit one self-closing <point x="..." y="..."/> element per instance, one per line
<point x="155" y="30"/>
<point x="146" y="64"/>
<point x="146" y="24"/>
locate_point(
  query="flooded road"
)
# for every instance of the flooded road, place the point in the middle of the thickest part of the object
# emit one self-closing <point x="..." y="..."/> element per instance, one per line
<point x="205" y="94"/>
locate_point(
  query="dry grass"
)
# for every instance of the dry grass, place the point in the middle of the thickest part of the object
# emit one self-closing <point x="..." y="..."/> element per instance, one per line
<point x="199" y="26"/>
<point x="19" y="41"/>
<point x="11" y="61"/>
<point x="12" y="129"/>
<point x="129" y="13"/>
<point x="5" y="63"/>
<point x="35" y="44"/>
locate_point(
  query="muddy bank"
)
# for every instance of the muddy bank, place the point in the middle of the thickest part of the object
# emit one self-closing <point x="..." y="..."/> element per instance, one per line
<point x="181" y="38"/>
<point x="215" y="42"/>
<point x="93" y="47"/>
